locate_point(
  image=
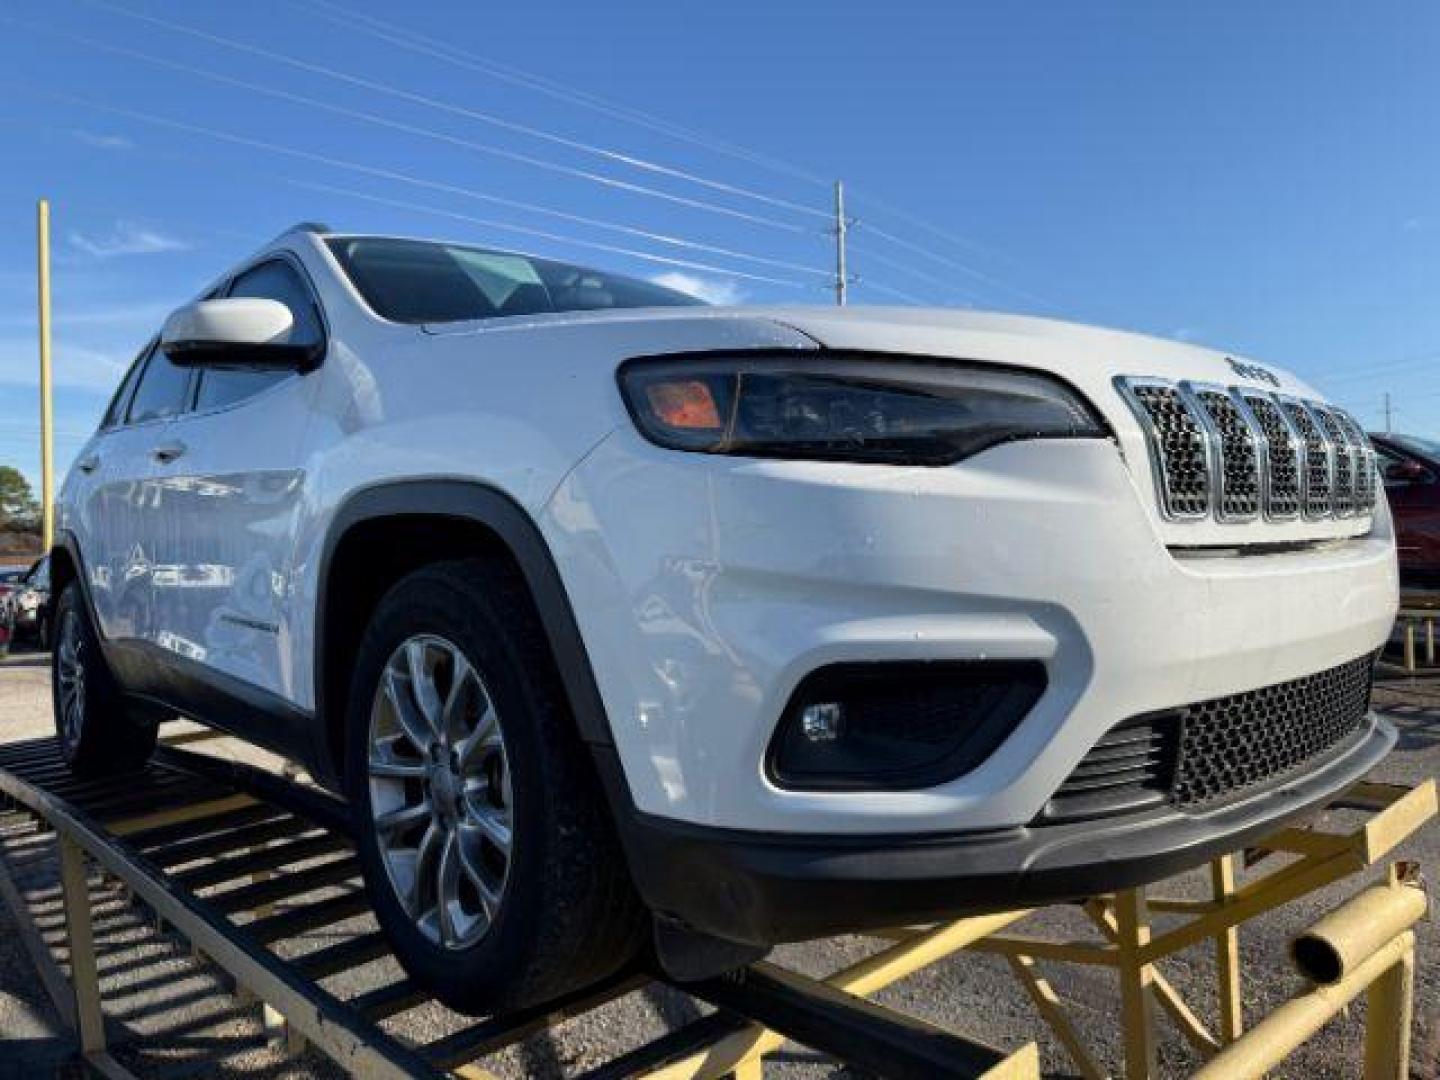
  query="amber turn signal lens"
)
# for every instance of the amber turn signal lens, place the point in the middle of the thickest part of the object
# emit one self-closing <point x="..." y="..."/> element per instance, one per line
<point x="686" y="404"/>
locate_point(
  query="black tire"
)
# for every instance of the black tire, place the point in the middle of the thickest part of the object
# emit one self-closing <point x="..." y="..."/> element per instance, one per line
<point x="568" y="915"/>
<point x="101" y="734"/>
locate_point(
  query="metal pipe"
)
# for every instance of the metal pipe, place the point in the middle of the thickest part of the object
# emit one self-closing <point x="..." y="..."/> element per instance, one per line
<point x="1336" y="945"/>
<point x="1272" y="1040"/>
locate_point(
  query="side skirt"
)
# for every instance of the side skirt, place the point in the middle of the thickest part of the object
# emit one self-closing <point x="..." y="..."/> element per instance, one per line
<point x="161" y="681"/>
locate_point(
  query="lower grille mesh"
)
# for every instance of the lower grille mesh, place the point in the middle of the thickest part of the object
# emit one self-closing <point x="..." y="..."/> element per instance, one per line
<point x="1229" y="744"/>
<point x="1202" y="753"/>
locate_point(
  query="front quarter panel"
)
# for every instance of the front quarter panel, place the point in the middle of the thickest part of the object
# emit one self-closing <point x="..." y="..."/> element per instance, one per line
<point x="511" y="404"/>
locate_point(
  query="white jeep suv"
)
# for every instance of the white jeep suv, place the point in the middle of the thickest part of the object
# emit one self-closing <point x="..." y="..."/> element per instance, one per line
<point x="610" y="611"/>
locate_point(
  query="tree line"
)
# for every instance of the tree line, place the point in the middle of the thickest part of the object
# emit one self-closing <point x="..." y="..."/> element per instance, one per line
<point x="19" y="514"/>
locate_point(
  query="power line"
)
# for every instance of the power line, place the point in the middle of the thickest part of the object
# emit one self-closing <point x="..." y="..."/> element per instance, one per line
<point x="953" y="264"/>
<point x="936" y="231"/>
<point x="419" y="207"/>
<point x="286" y="95"/>
<point x="888" y="291"/>
<point x="357" y="167"/>
<point x="392" y="32"/>
<point x="866" y="254"/>
<point x="405" y="39"/>
<point x="524" y="230"/>
<point x="424" y="100"/>
<point x="1399" y="367"/>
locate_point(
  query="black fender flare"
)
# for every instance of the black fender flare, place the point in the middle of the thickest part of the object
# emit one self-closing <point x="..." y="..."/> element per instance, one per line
<point x="481" y="504"/>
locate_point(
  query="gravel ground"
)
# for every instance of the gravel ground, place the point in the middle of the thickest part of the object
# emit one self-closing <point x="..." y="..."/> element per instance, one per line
<point x="179" y="1020"/>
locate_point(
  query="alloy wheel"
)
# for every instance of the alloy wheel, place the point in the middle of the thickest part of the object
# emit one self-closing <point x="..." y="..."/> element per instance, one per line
<point x="70" y="675"/>
<point x="440" y="793"/>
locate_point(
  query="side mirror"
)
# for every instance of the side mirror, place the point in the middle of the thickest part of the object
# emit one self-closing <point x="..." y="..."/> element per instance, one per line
<point x="237" y="332"/>
<point x="1406" y="472"/>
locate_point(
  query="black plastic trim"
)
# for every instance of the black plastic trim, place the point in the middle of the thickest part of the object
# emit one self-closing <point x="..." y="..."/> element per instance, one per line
<point x="479" y="503"/>
<point x="967" y="752"/>
<point x="766" y="888"/>
<point x="163" y="680"/>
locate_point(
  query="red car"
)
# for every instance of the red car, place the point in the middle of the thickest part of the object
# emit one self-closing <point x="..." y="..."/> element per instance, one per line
<point x="1410" y="466"/>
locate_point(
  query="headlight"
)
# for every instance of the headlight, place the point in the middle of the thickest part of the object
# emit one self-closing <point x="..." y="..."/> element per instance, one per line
<point x="844" y="407"/>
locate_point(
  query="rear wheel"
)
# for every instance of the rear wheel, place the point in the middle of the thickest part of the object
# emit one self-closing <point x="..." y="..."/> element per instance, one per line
<point x="96" y="732"/>
<point x="489" y="856"/>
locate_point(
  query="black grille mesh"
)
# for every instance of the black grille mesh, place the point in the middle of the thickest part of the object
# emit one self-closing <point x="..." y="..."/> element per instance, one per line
<point x="1185" y="478"/>
<point x="1240" y="471"/>
<point x="1282" y="457"/>
<point x="1232" y="743"/>
<point x="1199" y="754"/>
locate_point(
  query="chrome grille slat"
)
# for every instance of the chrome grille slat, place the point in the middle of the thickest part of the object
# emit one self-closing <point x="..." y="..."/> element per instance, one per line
<point x="1342" y="491"/>
<point x="1179" y="448"/>
<point x="1284" y="458"/>
<point x="1234" y="454"/>
<point x="1366" y="483"/>
<point x="1238" y="488"/>
<point x="1315" y="492"/>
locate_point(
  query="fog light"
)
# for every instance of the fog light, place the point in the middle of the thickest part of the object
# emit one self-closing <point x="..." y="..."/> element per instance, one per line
<point x="823" y="722"/>
<point x="902" y="724"/>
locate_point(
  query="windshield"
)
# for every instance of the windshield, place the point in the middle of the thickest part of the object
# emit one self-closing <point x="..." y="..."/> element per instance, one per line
<point x="418" y="281"/>
<point x="1425" y="447"/>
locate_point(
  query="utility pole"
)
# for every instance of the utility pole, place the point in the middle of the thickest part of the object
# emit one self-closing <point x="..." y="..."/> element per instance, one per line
<point x="841" y="227"/>
<point x="1387" y="412"/>
<point x="47" y="449"/>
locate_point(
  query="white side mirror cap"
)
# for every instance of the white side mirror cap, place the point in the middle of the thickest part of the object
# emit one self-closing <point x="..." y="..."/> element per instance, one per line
<point x="235" y="321"/>
<point x="237" y="332"/>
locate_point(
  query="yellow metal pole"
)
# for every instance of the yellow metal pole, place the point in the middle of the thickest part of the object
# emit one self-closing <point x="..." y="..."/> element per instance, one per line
<point x="1389" y="1009"/>
<point x="47" y="449"/>
<point x="1227" y="952"/>
<point x="1273" y="1039"/>
<point x="1137" y="980"/>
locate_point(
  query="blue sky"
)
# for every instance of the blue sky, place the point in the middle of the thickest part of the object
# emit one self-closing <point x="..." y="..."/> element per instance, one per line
<point x="1258" y="177"/>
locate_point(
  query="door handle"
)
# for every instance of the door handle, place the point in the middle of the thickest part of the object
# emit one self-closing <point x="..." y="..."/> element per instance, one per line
<point x="168" y="451"/>
<point x="89" y="463"/>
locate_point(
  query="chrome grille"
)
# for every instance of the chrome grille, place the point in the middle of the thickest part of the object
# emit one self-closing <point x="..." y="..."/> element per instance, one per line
<point x="1233" y="454"/>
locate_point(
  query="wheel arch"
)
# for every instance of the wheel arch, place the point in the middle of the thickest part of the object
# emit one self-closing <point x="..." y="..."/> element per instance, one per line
<point x="404" y="525"/>
<point x="66" y="565"/>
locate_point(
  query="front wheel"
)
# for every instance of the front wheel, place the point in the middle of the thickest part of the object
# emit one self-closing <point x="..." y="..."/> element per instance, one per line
<point x="97" y="733"/>
<point x="488" y="852"/>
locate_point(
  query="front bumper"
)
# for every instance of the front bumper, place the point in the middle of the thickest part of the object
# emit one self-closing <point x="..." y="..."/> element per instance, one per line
<point x="765" y="889"/>
<point x="707" y="588"/>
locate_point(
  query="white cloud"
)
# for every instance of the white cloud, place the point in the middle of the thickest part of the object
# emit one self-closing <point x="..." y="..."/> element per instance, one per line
<point x="126" y="238"/>
<point x="76" y="366"/>
<point x="105" y="318"/>
<point x="104" y="141"/>
<point x="711" y="290"/>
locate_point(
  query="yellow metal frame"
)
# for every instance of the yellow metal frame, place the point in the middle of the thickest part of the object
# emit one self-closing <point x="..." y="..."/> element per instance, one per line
<point x="1369" y="939"/>
<point x="1129" y="944"/>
